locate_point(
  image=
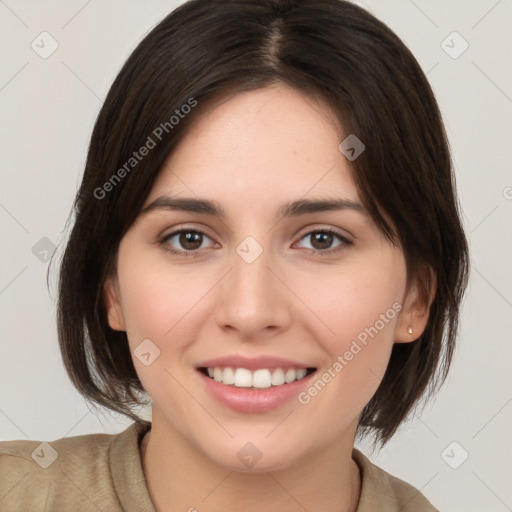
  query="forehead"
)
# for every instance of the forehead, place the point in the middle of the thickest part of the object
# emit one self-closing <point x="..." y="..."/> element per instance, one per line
<point x="259" y="147"/>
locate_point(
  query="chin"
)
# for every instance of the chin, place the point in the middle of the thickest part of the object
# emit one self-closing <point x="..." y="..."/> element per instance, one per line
<point x="257" y="456"/>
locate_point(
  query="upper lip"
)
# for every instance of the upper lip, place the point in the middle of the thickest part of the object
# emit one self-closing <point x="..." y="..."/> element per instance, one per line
<point x="252" y="363"/>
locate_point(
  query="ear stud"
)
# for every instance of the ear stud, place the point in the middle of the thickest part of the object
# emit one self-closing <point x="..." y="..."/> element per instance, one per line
<point x="409" y="330"/>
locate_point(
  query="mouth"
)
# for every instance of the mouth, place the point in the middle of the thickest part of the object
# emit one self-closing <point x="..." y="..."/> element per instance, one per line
<point x="261" y="378"/>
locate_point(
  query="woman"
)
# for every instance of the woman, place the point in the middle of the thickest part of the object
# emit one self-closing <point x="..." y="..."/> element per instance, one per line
<point x="267" y="243"/>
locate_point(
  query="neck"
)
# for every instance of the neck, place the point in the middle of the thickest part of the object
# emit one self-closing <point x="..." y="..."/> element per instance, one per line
<point x="181" y="478"/>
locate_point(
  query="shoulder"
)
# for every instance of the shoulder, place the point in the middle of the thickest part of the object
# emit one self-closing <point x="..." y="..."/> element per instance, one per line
<point x="381" y="491"/>
<point x="37" y="474"/>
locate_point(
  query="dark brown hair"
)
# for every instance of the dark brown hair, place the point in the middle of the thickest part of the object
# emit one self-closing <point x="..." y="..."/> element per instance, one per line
<point x="329" y="49"/>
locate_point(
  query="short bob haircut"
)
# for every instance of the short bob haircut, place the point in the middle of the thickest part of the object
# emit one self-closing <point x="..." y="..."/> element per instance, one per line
<point x="331" y="50"/>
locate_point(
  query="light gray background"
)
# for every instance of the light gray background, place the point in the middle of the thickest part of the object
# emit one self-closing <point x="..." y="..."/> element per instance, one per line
<point x="47" y="110"/>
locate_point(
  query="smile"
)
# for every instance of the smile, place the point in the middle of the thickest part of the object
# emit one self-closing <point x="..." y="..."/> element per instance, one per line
<point x="259" y="379"/>
<point x="259" y="390"/>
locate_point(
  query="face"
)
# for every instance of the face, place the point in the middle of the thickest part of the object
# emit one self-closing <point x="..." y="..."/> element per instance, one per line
<point x="259" y="286"/>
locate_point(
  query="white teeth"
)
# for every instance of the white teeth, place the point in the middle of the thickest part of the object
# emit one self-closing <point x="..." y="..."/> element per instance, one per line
<point x="217" y="374"/>
<point x="301" y="372"/>
<point x="290" y="375"/>
<point x="228" y="376"/>
<point x="261" y="379"/>
<point x="277" y="377"/>
<point x="243" y="378"/>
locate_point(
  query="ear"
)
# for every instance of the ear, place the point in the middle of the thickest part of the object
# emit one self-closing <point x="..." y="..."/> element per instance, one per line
<point x="416" y="308"/>
<point x="113" y="304"/>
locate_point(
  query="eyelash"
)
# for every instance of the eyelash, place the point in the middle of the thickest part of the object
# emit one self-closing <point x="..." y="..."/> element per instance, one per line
<point x="164" y="242"/>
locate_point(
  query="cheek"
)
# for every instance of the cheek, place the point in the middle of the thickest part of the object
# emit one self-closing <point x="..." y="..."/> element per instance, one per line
<point x="359" y="306"/>
<point x="357" y="297"/>
<point x="159" y="300"/>
<point x="160" y="304"/>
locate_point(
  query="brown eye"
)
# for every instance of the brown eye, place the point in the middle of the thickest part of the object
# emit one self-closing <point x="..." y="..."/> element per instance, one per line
<point x="321" y="240"/>
<point x="325" y="241"/>
<point x="185" y="241"/>
<point x="190" y="240"/>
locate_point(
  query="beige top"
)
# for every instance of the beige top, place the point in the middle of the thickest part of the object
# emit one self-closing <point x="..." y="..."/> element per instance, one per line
<point x="103" y="472"/>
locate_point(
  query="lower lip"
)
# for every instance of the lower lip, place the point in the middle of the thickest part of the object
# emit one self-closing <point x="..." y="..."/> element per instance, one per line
<point x="250" y="400"/>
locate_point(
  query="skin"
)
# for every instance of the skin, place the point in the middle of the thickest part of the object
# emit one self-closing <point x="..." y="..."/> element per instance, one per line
<point x="252" y="153"/>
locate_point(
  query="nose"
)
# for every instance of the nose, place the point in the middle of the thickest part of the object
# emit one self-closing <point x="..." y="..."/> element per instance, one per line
<point x="252" y="300"/>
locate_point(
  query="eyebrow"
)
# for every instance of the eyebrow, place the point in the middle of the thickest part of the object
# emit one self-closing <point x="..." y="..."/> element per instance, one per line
<point x="290" y="209"/>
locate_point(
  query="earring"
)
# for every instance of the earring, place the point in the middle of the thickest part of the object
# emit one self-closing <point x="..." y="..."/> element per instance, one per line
<point x="409" y="330"/>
